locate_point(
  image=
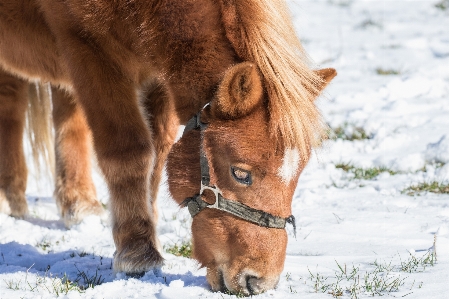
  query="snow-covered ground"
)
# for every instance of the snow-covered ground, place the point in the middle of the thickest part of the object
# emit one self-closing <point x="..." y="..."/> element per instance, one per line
<point x="353" y="233"/>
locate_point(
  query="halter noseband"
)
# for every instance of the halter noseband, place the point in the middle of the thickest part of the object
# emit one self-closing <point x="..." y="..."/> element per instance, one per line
<point x="196" y="204"/>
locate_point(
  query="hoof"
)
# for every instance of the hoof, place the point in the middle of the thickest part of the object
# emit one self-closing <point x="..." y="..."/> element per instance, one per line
<point x="74" y="211"/>
<point x="13" y="205"/>
<point x="137" y="258"/>
<point x="139" y="263"/>
<point x="135" y="275"/>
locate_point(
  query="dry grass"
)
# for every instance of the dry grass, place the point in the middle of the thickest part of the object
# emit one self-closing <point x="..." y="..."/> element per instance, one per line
<point x="55" y="285"/>
<point x="433" y="187"/>
<point x="381" y="280"/>
<point x="387" y="72"/>
<point x="349" y="132"/>
<point x="364" y="173"/>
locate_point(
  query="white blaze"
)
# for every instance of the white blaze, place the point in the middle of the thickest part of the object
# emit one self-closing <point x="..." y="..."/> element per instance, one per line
<point x="290" y="165"/>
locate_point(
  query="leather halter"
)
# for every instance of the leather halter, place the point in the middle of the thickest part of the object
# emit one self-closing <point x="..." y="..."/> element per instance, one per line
<point x="196" y="204"/>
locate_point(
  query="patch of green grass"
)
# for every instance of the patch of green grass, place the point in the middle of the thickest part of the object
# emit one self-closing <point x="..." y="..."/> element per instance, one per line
<point x="387" y="72"/>
<point x="44" y="244"/>
<point x="185" y="249"/>
<point x="64" y="285"/>
<point x="435" y="165"/>
<point x="381" y="280"/>
<point x="89" y="282"/>
<point x="54" y="284"/>
<point x="443" y="5"/>
<point x="288" y="277"/>
<point x="239" y="294"/>
<point x="391" y="46"/>
<point x="342" y="3"/>
<point x="434" y="187"/>
<point x="415" y="264"/>
<point x="13" y="284"/>
<point x="349" y="132"/>
<point x="83" y="254"/>
<point x="364" y="173"/>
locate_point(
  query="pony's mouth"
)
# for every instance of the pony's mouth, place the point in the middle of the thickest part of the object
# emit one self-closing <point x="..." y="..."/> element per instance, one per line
<point x="222" y="288"/>
<point x="250" y="289"/>
<point x="222" y="284"/>
<point x="248" y="286"/>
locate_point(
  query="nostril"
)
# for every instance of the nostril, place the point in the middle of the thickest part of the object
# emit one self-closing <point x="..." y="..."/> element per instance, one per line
<point x="253" y="285"/>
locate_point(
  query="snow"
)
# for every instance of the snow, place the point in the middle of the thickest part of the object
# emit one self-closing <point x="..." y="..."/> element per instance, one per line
<point x="438" y="151"/>
<point x="340" y="219"/>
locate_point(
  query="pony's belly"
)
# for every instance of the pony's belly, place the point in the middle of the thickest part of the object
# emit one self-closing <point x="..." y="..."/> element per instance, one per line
<point x="27" y="46"/>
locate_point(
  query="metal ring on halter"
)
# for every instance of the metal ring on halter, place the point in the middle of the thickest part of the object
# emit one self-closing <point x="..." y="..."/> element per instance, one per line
<point x="216" y="191"/>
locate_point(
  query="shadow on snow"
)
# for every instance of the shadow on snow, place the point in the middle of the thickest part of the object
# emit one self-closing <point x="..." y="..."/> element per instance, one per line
<point x="15" y="257"/>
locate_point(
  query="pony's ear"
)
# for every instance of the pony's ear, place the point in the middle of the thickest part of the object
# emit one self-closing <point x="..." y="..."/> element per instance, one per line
<point x="326" y="76"/>
<point x="239" y="92"/>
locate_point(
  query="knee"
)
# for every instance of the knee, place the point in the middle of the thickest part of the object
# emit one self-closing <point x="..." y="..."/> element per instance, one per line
<point x="134" y="160"/>
<point x="13" y="96"/>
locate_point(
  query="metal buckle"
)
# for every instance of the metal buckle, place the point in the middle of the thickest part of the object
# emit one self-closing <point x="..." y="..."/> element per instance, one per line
<point x="216" y="192"/>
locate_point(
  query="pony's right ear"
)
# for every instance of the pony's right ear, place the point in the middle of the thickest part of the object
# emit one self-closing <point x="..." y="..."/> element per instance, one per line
<point x="326" y="75"/>
<point x="239" y="92"/>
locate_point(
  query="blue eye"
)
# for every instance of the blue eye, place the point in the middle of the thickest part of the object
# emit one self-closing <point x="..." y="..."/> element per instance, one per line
<point x="242" y="176"/>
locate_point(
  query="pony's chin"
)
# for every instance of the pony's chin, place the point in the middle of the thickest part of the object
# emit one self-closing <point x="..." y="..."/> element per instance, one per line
<point x="215" y="279"/>
<point x="246" y="284"/>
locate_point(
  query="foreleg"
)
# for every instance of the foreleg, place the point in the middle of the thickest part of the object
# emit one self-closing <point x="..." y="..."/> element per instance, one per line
<point x="164" y="124"/>
<point x="123" y="144"/>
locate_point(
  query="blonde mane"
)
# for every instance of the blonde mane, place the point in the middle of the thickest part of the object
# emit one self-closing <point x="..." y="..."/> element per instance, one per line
<point x="261" y="31"/>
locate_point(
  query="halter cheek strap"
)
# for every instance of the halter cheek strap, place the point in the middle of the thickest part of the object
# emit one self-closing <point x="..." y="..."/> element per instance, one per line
<point x="196" y="204"/>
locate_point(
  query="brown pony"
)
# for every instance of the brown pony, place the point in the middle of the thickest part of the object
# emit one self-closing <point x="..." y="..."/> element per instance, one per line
<point x="132" y="71"/>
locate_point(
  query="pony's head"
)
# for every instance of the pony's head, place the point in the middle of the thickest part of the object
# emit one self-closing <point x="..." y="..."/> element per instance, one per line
<point x="241" y="163"/>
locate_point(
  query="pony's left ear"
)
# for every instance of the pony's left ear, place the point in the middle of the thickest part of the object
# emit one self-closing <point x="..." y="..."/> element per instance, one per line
<point x="239" y="92"/>
<point x="326" y="76"/>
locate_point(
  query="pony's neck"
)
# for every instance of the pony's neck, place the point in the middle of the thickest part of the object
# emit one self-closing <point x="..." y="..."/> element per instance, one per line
<point x="196" y="52"/>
